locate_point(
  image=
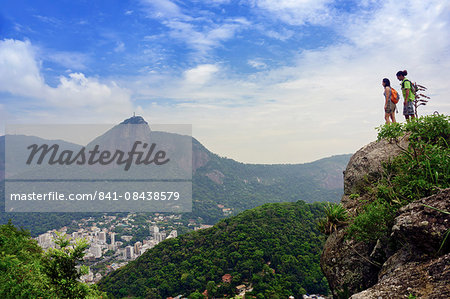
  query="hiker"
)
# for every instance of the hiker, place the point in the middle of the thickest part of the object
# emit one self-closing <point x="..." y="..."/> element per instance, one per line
<point x="389" y="105"/>
<point x="408" y="95"/>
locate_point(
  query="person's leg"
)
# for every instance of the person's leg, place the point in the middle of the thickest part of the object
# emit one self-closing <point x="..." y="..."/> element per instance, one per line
<point x="411" y="110"/>
<point x="405" y="111"/>
<point x="393" y="117"/>
<point x="386" y="117"/>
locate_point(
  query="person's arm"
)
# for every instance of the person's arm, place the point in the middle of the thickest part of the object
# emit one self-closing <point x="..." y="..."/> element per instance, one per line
<point x="387" y="93"/>
<point x="406" y="95"/>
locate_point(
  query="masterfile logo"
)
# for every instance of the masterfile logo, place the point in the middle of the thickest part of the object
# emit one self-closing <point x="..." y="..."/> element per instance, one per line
<point x="124" y="168"/>
<point x="92" y="157"/>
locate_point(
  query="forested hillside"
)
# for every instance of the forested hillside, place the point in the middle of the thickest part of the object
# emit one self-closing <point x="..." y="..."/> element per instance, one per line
<point x="273" y="249"/>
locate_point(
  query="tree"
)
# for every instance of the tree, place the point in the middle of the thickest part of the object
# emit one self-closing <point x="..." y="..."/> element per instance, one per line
<point x="196" y="295"/>
<point x="60" y="266"/>
<point x="212" y="289"/>
<point x="27" y="272"/>
<point x="20" y="269"/>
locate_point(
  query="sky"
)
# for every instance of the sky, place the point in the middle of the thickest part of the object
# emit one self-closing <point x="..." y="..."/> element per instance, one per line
<point x="261" y="81"/>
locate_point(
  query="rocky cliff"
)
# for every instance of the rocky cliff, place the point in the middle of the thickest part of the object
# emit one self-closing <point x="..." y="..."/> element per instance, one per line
<point x="408" y="263"/>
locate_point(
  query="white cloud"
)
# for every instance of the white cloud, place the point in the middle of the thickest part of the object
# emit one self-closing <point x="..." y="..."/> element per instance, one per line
<point x="197" y="32"/>
<point x="75" y="95"/>
<point x="49" y="20"/>
<point x="295" y="12"/>
<point x="164" y="9"/>
<point x="200" y="74"/>
<point x="120" y="47"/>
<point x="283" y="34"/>
<point x="77" y="91"/>
<point x="19" y="69"/>
<point x="203" y="38"/>
<point x="257" y="63"/>
<point x="70" y="60"/>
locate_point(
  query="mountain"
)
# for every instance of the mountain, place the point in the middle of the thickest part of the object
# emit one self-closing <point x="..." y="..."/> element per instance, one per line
<point x="220" y="186"/>
<point x="273" y="249"/>
<point x="18" y="143"/>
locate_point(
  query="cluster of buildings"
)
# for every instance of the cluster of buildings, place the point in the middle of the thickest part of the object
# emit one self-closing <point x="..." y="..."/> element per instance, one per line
<point x="106" y="245"/>
<point x="131" y="252"/>
<point x="95" y="237"/>
<point x="98" y="241"/>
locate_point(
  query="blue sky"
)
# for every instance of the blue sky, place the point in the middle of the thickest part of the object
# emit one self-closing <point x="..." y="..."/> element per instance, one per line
<point x="261" y="81"/>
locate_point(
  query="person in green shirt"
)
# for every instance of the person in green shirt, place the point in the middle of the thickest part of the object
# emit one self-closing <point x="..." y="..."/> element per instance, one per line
<point x="408" y="95"/>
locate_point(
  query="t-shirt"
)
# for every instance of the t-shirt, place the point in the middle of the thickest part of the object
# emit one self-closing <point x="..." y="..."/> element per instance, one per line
<point x="406" y="84"/>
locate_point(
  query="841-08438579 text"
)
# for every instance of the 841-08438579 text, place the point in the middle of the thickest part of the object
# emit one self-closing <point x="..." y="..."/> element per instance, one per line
<point x="99" y="195"/>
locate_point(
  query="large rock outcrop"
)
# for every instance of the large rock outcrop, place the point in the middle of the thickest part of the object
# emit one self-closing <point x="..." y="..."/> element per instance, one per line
<point x="365" y="167"/>
<point x="417" y="268"/>
<point x="407" y="263"/>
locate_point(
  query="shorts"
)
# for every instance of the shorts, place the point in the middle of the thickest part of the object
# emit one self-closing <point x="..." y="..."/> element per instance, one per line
<point x="390" y="107"/>
<point x="408" y="109"/>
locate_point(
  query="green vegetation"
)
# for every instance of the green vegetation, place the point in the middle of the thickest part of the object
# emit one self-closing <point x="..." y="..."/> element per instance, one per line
<point x="354" y="196"/>
<point x="374" y="222"/>
<point x="27" y="272"/>
<point x="60" y="267"/>
<point x="274" y="248"/>
<point x="335" y="215"/>
<point x="421" y="170"/>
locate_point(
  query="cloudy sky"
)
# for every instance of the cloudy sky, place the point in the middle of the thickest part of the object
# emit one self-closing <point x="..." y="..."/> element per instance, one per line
<point x="261" y="81"/>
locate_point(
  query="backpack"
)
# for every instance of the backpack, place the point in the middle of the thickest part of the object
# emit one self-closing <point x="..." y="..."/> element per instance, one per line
<point x="414" y="87"/>
<point x="394" y="96"/>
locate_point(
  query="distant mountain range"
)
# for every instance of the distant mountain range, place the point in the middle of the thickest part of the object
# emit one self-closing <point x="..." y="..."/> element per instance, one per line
<point x="221" y="186"/>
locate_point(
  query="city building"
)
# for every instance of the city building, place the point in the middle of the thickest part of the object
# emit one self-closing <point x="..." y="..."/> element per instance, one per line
<point x="113" y="238"/>
<point x="102" y="237"/>
<point x="144" y="248"/>
<point x="159" y="237"/>
<point x="126" y="238"/>
<point x="137" y="248"/>
<point x="46" y="240"/>
<point x="96" y="251"/>
<point x="129" y="252"/>
<point x="154" y="230"/>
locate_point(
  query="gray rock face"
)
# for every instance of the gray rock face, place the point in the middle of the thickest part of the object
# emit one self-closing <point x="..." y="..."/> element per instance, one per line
<point x="347" y="265"/>
<point x="416" y="221"/>
<point x="423" y="279"/>
<point x="413" y="266"/>
<point x="366" y="164"/>
<point x="365" y="167"/>
<point x="417" y="268"/>
<point x="135" y="120"/>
